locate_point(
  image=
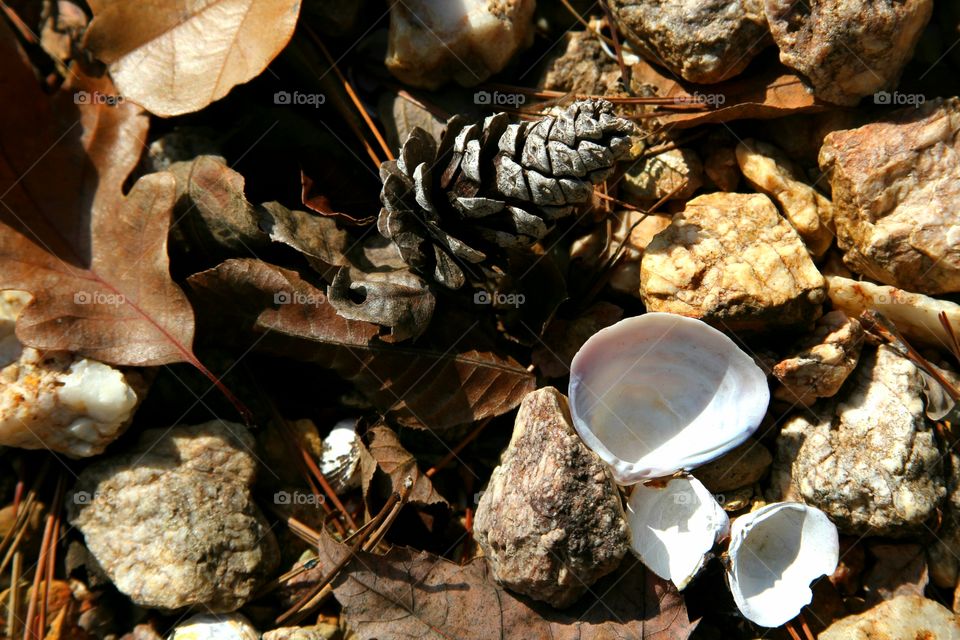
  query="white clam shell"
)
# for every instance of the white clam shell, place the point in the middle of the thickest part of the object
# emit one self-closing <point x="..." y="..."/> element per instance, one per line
<point x="341" y="456"/>
<point x="674" y="527"/>
<point x="658" y="393"/>
<point x="775" y="553"/>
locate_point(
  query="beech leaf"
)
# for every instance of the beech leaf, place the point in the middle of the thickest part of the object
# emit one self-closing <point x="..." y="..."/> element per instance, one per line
<point x="432" y="386"/>
<point x="94" y="260"/>
<point x="178" y="56"/>
<point x="409" y="594"/>
<point x="399" y="464"/>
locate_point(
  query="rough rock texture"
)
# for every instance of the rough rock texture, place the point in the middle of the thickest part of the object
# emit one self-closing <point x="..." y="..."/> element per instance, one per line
<point x="322" y="631"/>
<point x="172" y="522"/>
<point x="730" y="258"/>
<point x="903" y="618"/>
<point x="583" y="67"/>
<point x="769" y="171"/>
<point x="868" y="458"/>
<point x="942" y="553"/>
<point x="674" y="174"/>
<point x="208" y="627"/>
<point x="847" y="48"/>
<point x="702" y="40"/>
<point x="896" y="197"/>
<point x="822" y="360"/>
<point x="741" y="467"/>
<point x="550" y="521"/>
<point x="56" y="400"/>
<point x="432" y="42"/>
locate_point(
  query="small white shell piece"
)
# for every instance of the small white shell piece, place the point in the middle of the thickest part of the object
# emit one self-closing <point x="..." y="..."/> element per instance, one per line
<point x="341" y="456"/>
<point x="658" y="393"/>
<point x="674" y="527"/>
<point x="775" y="553"/>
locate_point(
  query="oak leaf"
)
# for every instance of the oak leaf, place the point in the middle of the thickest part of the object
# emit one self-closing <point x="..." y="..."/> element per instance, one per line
<point x="388" y="454"/>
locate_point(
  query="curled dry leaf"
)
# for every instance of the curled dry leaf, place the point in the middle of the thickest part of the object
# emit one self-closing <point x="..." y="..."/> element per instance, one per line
<point x="452" y="380"/>
<point x="178" y="56"/>
<point x="387" y="454"/>
<point x="399" y="300"/>
<point x="407" y="594"/>
<point x="94" y="260"/>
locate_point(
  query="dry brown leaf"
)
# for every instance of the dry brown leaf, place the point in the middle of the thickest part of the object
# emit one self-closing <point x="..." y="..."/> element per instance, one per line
<point x="399" y="464"/>
<point x="178" y="56"/>
<point x="94" y="260"/>
<point x="450" y="381"/>
<point x="399" y="300"/>
<point x="409" y="594"/>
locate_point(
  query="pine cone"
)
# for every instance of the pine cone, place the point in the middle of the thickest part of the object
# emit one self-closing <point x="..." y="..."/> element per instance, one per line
<point x="501" y="185"/>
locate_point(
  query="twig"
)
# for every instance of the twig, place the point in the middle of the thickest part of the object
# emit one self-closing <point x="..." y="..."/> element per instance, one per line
<point x="13" y="604"/>
<point x="447" y="459"/>
<point x="624" y="71"/>
<point x="589" y="27"/>
<point x="954" y="342"/>
<point x="806" y="627"/>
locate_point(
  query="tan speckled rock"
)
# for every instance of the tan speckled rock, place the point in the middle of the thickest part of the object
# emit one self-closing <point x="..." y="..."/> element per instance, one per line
<point x="674" y="174"/>
<point x="896" y="197"/>
<point x="434" y="41"/>
<point x="942" y="552"/>
<point x="172" y="521"/>
<point x="769" y="171"/>
<point x="847" y="48"/>
<point x="741" y="467"/>
<point x="822" y="360"/>
<point x="730" y="258"/>
<point x="868" y="458"/>
<point x="702" y="40"/>
<point x="903" y="618"/>
<point x="550" y="521"/>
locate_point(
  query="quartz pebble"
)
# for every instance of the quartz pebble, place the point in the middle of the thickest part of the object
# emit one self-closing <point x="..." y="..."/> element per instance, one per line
<point x="56" y="400"/>
<point x="741" y="467"/>
<point x="821" y="361"/>
<point x="847" y="48"/>
<point x="172" y="521"/>
<point x="730" y="258"/>
<point x="868" y="458"/>
<point x="897" y="198"/>
<point x="702" y="41"/>
<point x="902" y="618"/>
<point x="434" y="41"/>
<point x="210" y="627"/>
<point x="550" y="521"/>
<point x="674" y="175"/>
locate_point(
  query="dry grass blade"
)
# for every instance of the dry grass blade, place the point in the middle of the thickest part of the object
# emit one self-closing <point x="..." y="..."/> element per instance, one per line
<point x="954" y="341"/>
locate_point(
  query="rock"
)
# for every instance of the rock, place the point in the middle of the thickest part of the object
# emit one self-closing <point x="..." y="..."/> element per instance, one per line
<point x="172" y="522"/>
<point x="211" y="627"/>
<point x="704" y="41"/>
<point x="320" y="631"/>
<point x="769" y="171"/>
<point x="868" y="458"/>
<point x="822" y="360"/>
<point x="896" y="197"/>
<point x="942" y="553"/>
<point x="433" y="41"/>
<point x="731" y="258"/>
<point x="583" y="68"/>
<point x="903" y="618"/>
<point x="674" y="175"/>
<point x="550" y="521"/>
<point x="915" y="315"/>
<point x="847" y="48"/>
<point x="720" y="165"/>
<point x="56" y="400"/>
<point x="741" y="467"/>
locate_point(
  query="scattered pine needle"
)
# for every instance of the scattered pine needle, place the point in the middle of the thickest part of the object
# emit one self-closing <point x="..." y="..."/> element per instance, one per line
<point x="447" y="459"/>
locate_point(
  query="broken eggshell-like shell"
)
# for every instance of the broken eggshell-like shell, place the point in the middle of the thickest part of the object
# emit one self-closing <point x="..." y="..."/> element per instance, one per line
<point x="674" y="526"/>
<point x="341" y="456"/>
<point x="775" y="553"/>
<point x="658" y="393"/>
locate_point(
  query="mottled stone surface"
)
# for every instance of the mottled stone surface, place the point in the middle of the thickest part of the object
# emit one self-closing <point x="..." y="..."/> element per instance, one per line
<point x="56" y="400"/>
<point x="322" y="631"/>
<point x="896" y="197"/>
<point x="730" y="258"/>
<point x="431" y="43"/>
<point x="172" y="522"/>
<point x="701" y="40"/>
<point x="674" y="174"/>
<point x="847" y="48"/>
<point x="768" y="170"/>
<point x="550" y="521"/>
<point x="868" y="458"/>
<point x="903" y="618"/>
<point x="208" y="627"/>
<point x="942" y="552"/>
<point x="820" y="361"/>
<point x="741" y="467"/>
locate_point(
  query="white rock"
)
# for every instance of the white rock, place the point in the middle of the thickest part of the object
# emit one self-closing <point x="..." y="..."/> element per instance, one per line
<point x="775" y="553"/>
<point x="673" y="527"/>
<point x="658" y="393"/>
<point x="216" y="627"/>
